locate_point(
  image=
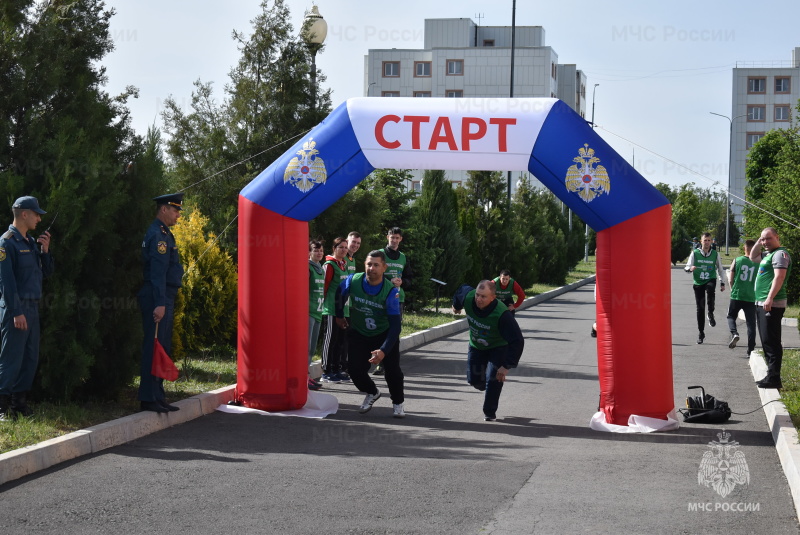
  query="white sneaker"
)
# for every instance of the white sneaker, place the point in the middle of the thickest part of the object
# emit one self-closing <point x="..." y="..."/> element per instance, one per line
<point x="399" y="410"/>
<point x="369" y="401"/>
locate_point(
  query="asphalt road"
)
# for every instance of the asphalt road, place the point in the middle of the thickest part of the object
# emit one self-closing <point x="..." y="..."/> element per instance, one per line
<point x="442" y="469"/>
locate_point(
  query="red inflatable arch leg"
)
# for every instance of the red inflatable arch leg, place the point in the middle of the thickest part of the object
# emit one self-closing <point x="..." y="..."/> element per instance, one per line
<point x="272" y="348"/>
<point x="634" y="324"/>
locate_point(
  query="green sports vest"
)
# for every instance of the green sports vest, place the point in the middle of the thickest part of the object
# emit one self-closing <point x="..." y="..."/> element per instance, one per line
<point x="394" y="268"/>
<point x="484" y="333"/>
<point x="368" y="312"/>
<point x="705" y="267"/>
<point x="316" y="290"/>
<point x="744" y="280"/>
<point x="329" y="308"/>
<point x="508" y="293"/>
<point x="766" y="274"/>
<point x="351" y="265"/>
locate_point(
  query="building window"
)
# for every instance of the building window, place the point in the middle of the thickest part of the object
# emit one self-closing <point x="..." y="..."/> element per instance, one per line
<point x="416" y="186"/>
<point x="553" y="70"/>
<point x="390" y="94"/>
<point x="455" y="67"/>
<point x="783" y="85"/>
<point x="391" y="69"/>
<point x="752" y="138"/>
<point x="756" y="113"/>
<point x="454" y="93"/>
<point x="756" y="85"/>
<point x="422" y="69"/>
<point x="488" y="42"/>
<point x="422" y="93"/>
<point x="782" y="113"/>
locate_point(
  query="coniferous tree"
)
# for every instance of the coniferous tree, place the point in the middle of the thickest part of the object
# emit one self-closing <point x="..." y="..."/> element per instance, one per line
<point x="435" y="211"/>
<point x="70" y="144"/>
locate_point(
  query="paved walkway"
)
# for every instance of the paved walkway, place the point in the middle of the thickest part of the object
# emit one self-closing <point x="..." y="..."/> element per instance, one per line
<point x="538" y="469"/>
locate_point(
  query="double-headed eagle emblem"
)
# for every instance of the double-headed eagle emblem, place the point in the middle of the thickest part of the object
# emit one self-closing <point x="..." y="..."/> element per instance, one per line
<point x="306" y="169"/>
<point x="585" y="178"/>
<point x="723" y="467"/>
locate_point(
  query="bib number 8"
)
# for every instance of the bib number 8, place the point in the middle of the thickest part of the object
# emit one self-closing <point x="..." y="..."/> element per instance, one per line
<point x="370" y="322"/>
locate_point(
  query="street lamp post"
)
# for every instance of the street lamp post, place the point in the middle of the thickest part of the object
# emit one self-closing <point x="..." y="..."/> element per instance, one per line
<point x="586" y="244"/>
<point x="730" y="173"/>
<point x="315" y="29"/>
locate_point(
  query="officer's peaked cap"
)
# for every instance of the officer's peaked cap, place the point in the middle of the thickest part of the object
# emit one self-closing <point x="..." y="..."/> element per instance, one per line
<point x="172" y="199"/>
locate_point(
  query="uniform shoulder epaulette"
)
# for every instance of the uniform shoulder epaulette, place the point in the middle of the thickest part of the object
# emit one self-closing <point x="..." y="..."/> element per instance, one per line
<point x="8" y="235"/>
<point x="163" y="229"/>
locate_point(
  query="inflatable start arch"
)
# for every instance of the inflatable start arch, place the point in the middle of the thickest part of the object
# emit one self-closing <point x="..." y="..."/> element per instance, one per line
<point x="542" y="136"/>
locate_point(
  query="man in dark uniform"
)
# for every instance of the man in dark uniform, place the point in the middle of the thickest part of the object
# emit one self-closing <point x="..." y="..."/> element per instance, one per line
<point x="162" y="278"/>
<point x="22" y="266"/>
<point x="495" y="343"/>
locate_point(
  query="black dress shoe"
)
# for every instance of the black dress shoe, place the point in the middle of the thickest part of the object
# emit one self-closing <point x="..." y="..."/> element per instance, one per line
<point x="164" y="404"/>
<point x="152" y="406"/>
<point x="770" y="384"/>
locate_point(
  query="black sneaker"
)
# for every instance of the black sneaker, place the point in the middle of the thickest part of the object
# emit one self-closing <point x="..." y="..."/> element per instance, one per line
<point x="700" y="338"/>
<point x="711" y="320"/>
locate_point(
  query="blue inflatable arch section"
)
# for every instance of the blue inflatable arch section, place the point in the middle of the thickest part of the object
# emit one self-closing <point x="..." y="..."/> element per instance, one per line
<point x="542" y="136"/>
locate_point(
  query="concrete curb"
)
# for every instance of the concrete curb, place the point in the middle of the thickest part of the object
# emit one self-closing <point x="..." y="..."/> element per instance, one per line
<point x="783" y="431"/>
<point x="24" y="461"/>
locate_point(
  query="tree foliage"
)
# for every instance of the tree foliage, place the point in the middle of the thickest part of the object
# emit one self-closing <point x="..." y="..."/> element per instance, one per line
<point x="435" y="211"/>
<point x="773" y="174"/>
<point x="70" y="144"/>
<point x="266" y="107"/>
<point x="206" y="312"/>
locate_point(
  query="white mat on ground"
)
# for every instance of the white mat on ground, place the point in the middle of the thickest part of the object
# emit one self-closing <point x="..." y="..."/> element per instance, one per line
<point x="318" y="406"/>
<point x="636" y="424"/>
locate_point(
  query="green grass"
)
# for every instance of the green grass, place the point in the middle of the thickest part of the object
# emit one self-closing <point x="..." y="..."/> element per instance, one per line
<point x="207" y="371"/>
<point x="790" y="377"/>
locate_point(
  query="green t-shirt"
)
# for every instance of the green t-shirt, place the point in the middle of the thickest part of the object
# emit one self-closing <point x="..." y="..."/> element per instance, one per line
<point x="705" y="267"/>
<point x="394" y="268"/>
<point x="744" y="279"/>
<point x="368" y="312"/>
<point x="316" y="290"/>
<point x="329" y="307"/>
<point x="484" y="333"/>
<point x="504" y="295"/>
<point x="766" y="274"/>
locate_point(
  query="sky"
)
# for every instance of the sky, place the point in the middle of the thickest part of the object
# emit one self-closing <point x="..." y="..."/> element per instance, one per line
<point x="661" y="66"/>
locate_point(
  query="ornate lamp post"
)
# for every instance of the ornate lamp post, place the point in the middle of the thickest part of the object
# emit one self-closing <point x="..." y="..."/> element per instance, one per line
<point x="315" y="29"/>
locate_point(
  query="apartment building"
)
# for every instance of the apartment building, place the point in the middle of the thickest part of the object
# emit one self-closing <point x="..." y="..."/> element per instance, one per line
<point x="765" y="97"/>
<point x="461" y="59"/>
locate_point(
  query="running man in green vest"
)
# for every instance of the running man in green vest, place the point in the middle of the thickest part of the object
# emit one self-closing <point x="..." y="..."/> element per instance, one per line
<point x="495" y="343"/>
<point x="507" y="288"/>
<point x="374" y="333"/>
<point x="773" y="273"/>
<point x="398" y="270"/>
<point x="742" y="278"/>
<point x="705" y="264"/>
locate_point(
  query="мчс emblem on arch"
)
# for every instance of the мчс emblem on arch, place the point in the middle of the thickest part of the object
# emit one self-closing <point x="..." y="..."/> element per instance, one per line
<point x="723" y="467"/>
<point x="586" y="178"/>
<point x="306" y="169"/>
